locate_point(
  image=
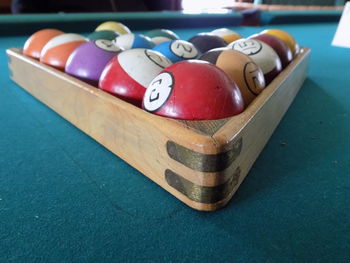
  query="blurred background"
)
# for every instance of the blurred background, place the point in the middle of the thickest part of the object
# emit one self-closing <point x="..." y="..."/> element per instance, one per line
<point x="53" y="6"/>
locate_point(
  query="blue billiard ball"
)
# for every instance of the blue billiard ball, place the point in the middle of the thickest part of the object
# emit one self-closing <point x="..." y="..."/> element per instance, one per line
<point x="177" y="50"/>
<point x="130" y="41"/>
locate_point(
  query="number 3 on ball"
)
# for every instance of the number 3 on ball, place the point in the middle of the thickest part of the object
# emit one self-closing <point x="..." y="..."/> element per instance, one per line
<point x="158" y="92"/>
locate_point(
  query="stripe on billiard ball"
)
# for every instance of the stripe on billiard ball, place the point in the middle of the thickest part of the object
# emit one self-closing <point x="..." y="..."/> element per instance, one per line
<point x="62" y="39"/>
<point x="130" y="72"/>
<point x="56" y="52"/>
<point x="142" y="64"/>
<point x="159" y="36"/>
<point x="114" y="26"/>
<point x="226" y="34"/>
<point x="89" y="59"/>
<point x="129" y="41"/>
<point x="262" y="54"/>
<point x="177" y="50"/>
<point x="36" y="42"/>
<point x="103" y="34"/>
<point x="240" y="68"/>
<point x="282" y="50"/>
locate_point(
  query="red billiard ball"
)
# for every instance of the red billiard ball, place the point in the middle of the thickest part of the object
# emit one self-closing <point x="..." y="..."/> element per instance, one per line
<point x="193" y="90"/>
<point x="262" y="54"/>
<point x="38" y="40"/>
<point x="129" y="73"/>
<point x="58" y="49"/>
<point x="89" y="59"/>
<point x="282" y="50"/>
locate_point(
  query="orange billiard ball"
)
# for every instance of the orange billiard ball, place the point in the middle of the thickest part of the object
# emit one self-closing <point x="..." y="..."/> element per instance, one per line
<point x="240" y="68"/>
<point x="262" y="54"/>
<point x="56" y="52"/>
<point x="35" y="43"/>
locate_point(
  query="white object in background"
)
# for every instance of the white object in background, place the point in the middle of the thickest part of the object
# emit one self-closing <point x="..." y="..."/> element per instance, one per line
<point x="342" y="35"/>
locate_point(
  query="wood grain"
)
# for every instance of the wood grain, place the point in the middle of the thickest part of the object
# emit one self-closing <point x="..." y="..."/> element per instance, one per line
<point x="141" y="138"/>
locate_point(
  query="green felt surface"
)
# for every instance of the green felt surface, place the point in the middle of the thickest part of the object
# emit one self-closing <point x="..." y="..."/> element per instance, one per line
<point x="65" y="198"/>
<point x="297" y="16"/>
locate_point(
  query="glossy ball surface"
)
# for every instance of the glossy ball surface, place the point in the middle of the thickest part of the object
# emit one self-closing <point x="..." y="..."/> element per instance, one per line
<point x="177" y="50"/>
<point x="282" y="50"/>
<point x="205" y="41"/>
<point x="159" y="36"/>
<point x="207" y="94"/>
<point x="129" y="41"/>
<point x="89" y="59"/>
<point x="226" y="34"/>
<point x="286" y="38"/>
<point x="36" y="42"/>
<point x="56" y="52"/>
<point x="114" y="26"/>
<point x="240" y="68"/>
<point x="262" y="54"/>
<point x="129" y="73"/>
<point x="103" y="34"/>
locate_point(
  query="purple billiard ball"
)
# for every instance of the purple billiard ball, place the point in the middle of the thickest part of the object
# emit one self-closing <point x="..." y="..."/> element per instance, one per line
<point x="207" y="41"/>
<point x="88" y="60"/>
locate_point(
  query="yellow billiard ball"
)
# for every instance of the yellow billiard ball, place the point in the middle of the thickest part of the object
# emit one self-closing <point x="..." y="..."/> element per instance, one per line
<point x="114" y="26"/>
<point x="286" y="38"/>
<point x="226" y="34"/>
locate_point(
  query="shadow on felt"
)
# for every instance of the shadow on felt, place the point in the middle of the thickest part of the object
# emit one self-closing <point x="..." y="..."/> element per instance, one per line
<point x="286" y="208"/>
<point x="307" y="133"/>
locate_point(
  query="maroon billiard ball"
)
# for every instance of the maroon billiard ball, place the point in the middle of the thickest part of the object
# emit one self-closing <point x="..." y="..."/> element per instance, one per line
<point x="282" y="50"/>
<point x="262" y="54"/>
<point x="193" y="90"/>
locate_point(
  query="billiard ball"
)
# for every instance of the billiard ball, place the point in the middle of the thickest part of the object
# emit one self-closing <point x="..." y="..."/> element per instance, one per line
<point x="240" y="68"/>
<point x="262" y="54"/>
<point x="103" y="34"/>
<point x="89" y="59"/>
<point x="129" y="73"/>
<point x="177" y="50"/>
<point x="282" y="50"/>
<point x="206" y="41"/>
<point x="207" y="94"/>
<point x="226" y="34"/>
<point x="114" y="26"/>
<point x="58" y="49"/>
<point x="129" y="41"/>
<point x="286" y="38"/>
<point x="159" y="36"/>
<point x="36" y="42"/>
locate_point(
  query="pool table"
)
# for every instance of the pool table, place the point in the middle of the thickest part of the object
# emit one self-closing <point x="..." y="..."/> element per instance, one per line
<point x="65" y="198"/>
